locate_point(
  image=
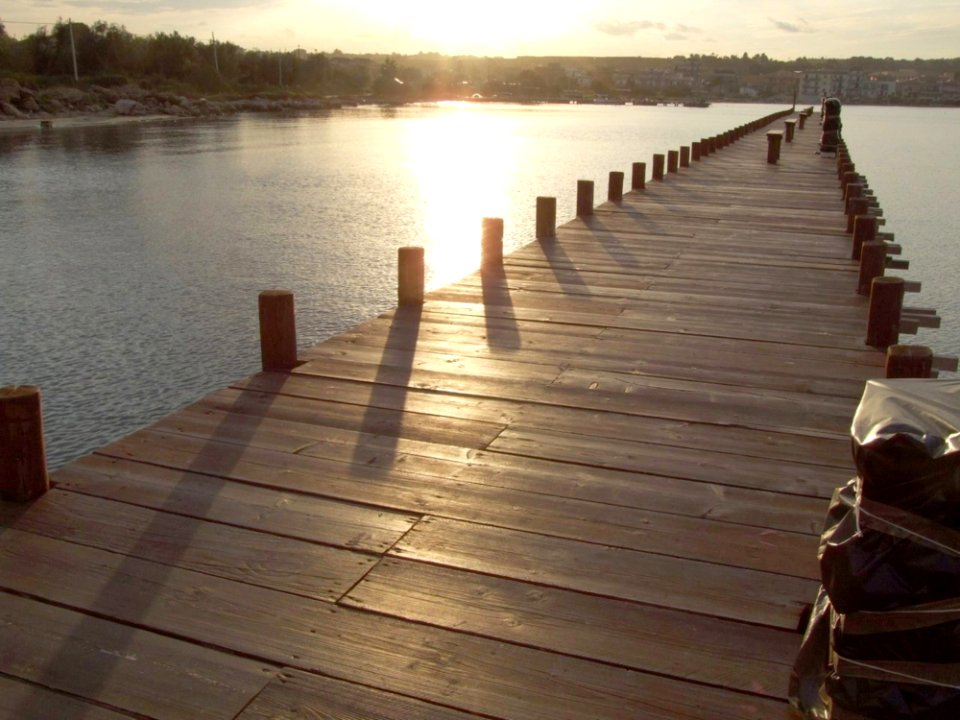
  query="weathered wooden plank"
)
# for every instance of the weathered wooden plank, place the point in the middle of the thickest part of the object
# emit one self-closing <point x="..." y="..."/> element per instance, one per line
<point x="122" y="667"/>
<point x="193" y="494"/>
<point x="22" y="701"/>
<point x="378" y="458"/>
<point x="296" y="695"/>
<point x="720" y="591"/>
<point x="210" y="547"/>
<point x="439" y="666"/>
<point x="709" y="650"/>
<point x="668" y="533"/>
<point x="690" y="464"/>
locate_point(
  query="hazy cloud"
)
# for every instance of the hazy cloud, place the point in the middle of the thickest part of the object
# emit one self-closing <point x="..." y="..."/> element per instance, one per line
<point x="150" y="7"/>
<point x="688" y="29"/>
<point x="790" y="27"/>
<point x="675" y="36"/>
<point x="628" y="28"/>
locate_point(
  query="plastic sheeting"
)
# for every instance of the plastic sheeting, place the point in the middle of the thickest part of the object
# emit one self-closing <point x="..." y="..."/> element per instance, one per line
<point x="874" y="557"/>
<point x="906" y="445"/>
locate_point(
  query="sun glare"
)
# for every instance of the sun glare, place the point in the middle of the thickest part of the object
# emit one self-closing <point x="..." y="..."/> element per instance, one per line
<point x="461" y="162"/>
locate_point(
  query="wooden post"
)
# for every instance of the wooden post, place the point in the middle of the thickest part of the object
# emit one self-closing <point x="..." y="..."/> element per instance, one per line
<point x="852" y="190"/>
<point x="789" y="126"/>
<point x="909" y="361"/>
<point x="278" y="330"/>
<point x="23" y="461"/>
<point x="847" y="177"/>
<point x="855" y="206"/>
<point x="658" y="167"/>
<point x="546" y="217"/>
<point x="873" y="260"/>
<point x="684" y="156"/>
<point x="695" y="151"/>
<point x="773" y="146"/>
<point x="673" y="161"/>
<point x="638" y="179"/>
<point x="410" y="275"/>
<point x="584" y="197"/>
<point x="704" y="147"/>
<point x="615" y="187"/>
<point x="491" y="243"/>
<point x="864" y="231"/>
<point x="886" y="302"/>
<point x="802" y="119"/>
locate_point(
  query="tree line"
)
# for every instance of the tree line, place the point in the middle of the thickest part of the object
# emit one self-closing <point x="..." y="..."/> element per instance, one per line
<point x="107" y="54"/>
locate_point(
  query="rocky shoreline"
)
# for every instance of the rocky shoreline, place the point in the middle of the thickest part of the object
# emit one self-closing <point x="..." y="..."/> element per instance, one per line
<point x="18" y="102"/>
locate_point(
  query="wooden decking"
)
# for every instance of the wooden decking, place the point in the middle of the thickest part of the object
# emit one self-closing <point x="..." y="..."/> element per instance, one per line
<point x="587" y="486"/>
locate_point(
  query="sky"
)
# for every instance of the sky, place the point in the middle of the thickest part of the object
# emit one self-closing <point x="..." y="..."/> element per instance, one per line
<point x="902" y="29"/>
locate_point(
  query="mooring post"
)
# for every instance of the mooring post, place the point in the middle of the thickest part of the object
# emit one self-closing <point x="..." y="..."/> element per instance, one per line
<point x="873" y="261"/>
<point x="909" y="361"/>
<point x="673" y="161"/>
<point x="410" y="275"/>
<point x="278" y="330"/>
<point x="638" y="176"/>
<point x="704" y="147"/>
<point x="584" y="197"/>
<point x="801" y="121"/>
<point x="23" y="460"/>
<point x="658" y="167"/>
<point x="491" y="243"/>
<point x="886" y="303"/>
<point x="695" y="151"/>
<point x="864" y="231"/>
<point x="852" y="190"/>
<point x="789" y="126"/>
<point x="684" y="156"/>
<point x="855" y="206"/>
<point x="773" y="146"/>
<point x="615" y="186"/>
<point x="546" y="217"/>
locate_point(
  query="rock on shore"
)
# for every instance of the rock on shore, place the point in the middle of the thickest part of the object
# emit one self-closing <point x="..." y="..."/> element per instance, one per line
<point x="20" y="102"/>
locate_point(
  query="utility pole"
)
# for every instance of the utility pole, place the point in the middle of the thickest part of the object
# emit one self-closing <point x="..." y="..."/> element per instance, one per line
<point x="73" y="52"/>
<point x="216" y="64"/>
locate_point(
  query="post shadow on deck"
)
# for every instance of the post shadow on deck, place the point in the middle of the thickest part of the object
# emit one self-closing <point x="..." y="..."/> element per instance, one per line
<point x="177" y="518"/>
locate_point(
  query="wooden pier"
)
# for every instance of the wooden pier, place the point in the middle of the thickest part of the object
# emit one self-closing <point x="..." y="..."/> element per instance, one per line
<point x="587" y="482"/>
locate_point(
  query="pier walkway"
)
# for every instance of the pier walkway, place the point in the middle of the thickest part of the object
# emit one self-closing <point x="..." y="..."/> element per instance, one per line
<point x="586" y="485"/>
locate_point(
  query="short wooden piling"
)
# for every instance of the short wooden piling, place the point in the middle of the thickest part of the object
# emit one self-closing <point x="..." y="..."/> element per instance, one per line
<point x="410" y="275"/>
<point x="278" y="330"/>
<point x="658" y="161"/>
<point x="546" y="217"/>
<point x="801" y="121"/>
<point x="886" y="303"/>
<point x="23" y="461"/>
<point x="673" y="161"/>
<point x="695" y="151"/>
<point x="638" y="178"/>
<point x="864" y="231"/>
<point x="909" y="361"/>
<point x="789" y="128"/>
<point x="704" y="147"/>
<point x="852" y="190"/>
<point x="491" y="243"/>
<point x="855" y="206"/>
<point x="584" y="197"/>
<point x="684" y="156"/>
<point x="773" y="146"/>
<point x="873" y="261"/>
<point x="615" y="187"/>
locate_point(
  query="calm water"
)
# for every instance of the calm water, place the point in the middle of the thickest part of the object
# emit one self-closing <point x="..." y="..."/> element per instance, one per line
<point x="131" y="256"/>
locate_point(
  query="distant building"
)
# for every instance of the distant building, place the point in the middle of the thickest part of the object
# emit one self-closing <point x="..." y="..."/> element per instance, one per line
<point x="815" y="84"/>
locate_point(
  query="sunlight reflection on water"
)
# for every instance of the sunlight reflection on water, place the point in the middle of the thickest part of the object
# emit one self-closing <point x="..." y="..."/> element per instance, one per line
<point x="131" y="256"/>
